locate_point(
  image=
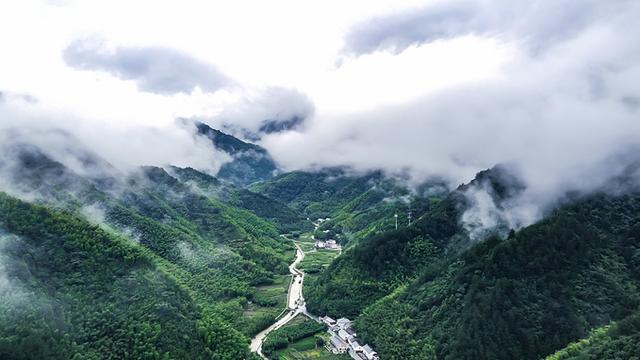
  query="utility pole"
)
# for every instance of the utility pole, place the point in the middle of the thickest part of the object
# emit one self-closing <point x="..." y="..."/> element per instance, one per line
<point x="396" y="216"/>
<point x="409" y="217"/>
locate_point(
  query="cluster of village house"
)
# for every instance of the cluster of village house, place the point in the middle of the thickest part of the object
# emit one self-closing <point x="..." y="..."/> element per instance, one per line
<point x="344" y="340"/>
<point x="329" y="245"/>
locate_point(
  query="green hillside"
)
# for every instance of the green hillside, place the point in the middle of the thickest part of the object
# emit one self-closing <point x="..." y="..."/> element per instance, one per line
<point x="620" y="340"/>
<point x="356" y="204"/>
<point x="174" y="263"/>
<point x="71" y="290"/>
<point x="383" y="261"/>
<point x="524" y="297"/>
<point x="219" y="255"/>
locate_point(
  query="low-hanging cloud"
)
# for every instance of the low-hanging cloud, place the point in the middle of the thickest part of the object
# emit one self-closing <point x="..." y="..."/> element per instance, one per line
<point x="157" y="70"/>
<point x="89" y="147"/>
<point x="265" y="111"/>
<point x="537" y="24"/>
<point x="566" y="117"/>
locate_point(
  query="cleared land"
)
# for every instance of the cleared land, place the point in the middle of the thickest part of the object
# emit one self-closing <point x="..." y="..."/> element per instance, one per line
<point x="306" y="348"/>
<point x="314" y="260"/>
<point x="268" y="303"/>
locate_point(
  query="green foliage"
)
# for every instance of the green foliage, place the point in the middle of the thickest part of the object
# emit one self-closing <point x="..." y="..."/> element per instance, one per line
<point x="186" y="266"/>
<point x="620" y="340"/>
<point x="524" y="297"/>
<point x="281" y="338"/>
<point x="212" y="253"/>
<point x="75" y="291"/>
<point x="323" y="194"/>
<point x="222" y="341"/>
<point x="283" y="217"/>
<point x="383" y="261"/>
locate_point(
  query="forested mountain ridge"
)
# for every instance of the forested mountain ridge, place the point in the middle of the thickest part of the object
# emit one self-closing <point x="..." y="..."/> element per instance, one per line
<point x="250" y="162"/>
<point x="192" y="250"/>
<point x="71" y="290"/>
<point x="620" y="340"/>
<point x="355" y="204"/>
<point x="417" y="296"/>
<point x="386" y="259"/>
<point x="212" y="245"/>
<point x="523" y="297"/>
<point x="285" y="218"/>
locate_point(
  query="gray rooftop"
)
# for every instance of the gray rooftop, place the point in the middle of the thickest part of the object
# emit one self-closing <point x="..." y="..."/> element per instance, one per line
<point x="367" y="349"/>
<point x="337" y="342"/>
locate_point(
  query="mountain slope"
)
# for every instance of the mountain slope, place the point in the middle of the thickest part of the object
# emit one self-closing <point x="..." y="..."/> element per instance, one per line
<point x="621" y="340"/>
<point x="214" y="251"/>
<point x="250" y="162"/>
<point x="71" y="290"/>
<point x="384" y="260"/>
<point x="357" y="204"/>
<point x="524" y="297"/>
<point x="285" y="218"/>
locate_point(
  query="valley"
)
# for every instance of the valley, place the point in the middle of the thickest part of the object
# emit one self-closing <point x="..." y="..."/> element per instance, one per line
<point x="240" y="272"/>
<point x="295" y="301"/>
<point x="327" y="180"/>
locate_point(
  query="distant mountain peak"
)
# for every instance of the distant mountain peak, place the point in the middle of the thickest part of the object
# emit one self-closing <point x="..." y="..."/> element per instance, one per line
<point x="251" y="162"/>
<point x="501" y="181"/>
<point x="225" y="142"/>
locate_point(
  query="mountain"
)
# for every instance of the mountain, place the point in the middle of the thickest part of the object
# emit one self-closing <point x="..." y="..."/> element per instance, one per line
<point x="250" y="162"/>
<point x="285" y="218"/>
<point x="266" y="126"/>
<point x="175" y="263"/>
<point x="186" y="244"/>
<point x="421" y="293"/>
<point x="386" y="259"/>
<point x="72" y="290"/>
<point x="354" y="204"/>
<point x="545" y="286"/>
<point x="616" y="341"/>
<point x="275" y="125"/>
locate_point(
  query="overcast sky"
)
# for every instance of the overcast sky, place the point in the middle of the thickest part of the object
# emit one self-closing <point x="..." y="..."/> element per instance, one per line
<point x="112" y="56"/>
<point x="423" y="87"/>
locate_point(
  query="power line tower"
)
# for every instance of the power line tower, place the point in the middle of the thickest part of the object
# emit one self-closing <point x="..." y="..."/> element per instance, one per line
<point x="396" y="216"/>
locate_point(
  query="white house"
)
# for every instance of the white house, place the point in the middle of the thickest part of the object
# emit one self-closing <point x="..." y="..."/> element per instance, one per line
<point x="344" y="335"/>
<point x="337" y="346"/>
<point x="328" y="321"/>
<point x="369" y="353"/>
<point x="355" y="345"/>
<point x="343" y="323"/>
<point x="331" y="244"/>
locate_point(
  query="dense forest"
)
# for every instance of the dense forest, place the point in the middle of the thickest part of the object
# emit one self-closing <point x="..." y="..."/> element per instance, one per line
<point x="354" y="205"/>
<point x="168" y="263"/>
<point x="71" y="290"/>
<point x="620" y="340"/>
<point x="203" y="242"/>
<point x="429" y="291"/>
<point x="522" y="297"/>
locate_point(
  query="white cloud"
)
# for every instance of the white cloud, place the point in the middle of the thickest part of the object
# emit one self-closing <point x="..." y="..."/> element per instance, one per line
<point x="154" y="69"/>
<point x="125" y="147"/>
<point x="550" y="86"/>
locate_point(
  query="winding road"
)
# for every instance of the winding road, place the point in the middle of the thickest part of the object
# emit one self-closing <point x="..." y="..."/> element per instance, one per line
<point x="295" y="303"/>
